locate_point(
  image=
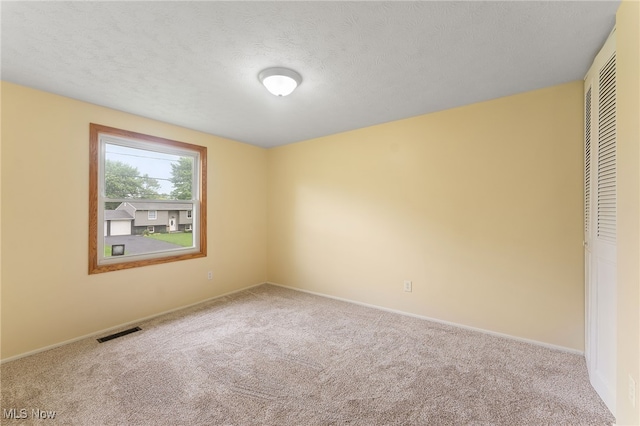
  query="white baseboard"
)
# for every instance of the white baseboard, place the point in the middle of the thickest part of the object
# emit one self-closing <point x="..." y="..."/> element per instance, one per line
<point x="466" y="327"/>
<point x="122" y="326"/>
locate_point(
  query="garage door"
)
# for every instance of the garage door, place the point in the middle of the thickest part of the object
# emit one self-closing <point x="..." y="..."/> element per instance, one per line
<point x="120" y="227"/>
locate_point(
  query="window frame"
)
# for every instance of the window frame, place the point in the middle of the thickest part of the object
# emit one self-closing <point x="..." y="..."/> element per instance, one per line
<point x="97" y="263"/>
<point x="155" y="215"/>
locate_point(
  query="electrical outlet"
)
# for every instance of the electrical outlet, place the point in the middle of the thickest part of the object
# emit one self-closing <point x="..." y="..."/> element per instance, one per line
<point x="632" y="391"/>
<point x="210" y="275"/>
<point x="407" y="286"/>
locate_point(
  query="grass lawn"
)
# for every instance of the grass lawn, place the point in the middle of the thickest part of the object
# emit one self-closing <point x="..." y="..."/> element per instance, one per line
<point x="184" y="239"/>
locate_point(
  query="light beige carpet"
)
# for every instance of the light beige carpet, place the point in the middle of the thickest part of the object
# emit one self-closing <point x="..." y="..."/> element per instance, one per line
<point x="273" y="356"/>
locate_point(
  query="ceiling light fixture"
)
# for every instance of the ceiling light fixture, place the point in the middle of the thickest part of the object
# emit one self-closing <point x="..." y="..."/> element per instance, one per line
<point x="280" y="81"/>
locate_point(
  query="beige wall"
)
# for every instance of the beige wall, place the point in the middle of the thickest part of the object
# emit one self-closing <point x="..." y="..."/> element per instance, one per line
<point x="480" y="206"/>
<point x="47" y="295"/>
<point x="628" y="121"/>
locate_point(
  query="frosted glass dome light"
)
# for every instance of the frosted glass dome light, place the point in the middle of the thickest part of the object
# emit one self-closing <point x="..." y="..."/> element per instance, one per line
<point x="280" y="81"/>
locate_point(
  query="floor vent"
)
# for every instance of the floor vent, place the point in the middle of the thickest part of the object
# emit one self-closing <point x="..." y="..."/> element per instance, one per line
<point x="120" y="334"/>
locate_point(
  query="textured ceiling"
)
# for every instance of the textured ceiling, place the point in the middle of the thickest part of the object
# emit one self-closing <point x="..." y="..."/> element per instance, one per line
<point x="195" y="64"/>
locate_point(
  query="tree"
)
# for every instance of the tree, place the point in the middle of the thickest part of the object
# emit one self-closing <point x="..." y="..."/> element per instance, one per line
<point x="182" y="178"/>
<point x="124" y="181"/>
<point x="120" y="180"/>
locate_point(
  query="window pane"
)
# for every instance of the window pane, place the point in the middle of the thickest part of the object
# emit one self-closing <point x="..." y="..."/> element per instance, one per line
<point x="129" y="224"/>
<point x="133" y="176"/>
<point x="134" y="173"/>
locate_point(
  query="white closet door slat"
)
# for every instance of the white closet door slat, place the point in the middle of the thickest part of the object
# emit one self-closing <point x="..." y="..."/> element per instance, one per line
<point x="606" y="179"/>
<point x="587" y="163"/>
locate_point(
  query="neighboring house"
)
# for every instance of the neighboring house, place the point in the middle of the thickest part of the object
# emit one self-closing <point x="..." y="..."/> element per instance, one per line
<point x="133" y="218"/>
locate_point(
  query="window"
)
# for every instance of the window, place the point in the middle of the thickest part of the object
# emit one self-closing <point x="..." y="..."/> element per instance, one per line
<point x="142" y="178"/>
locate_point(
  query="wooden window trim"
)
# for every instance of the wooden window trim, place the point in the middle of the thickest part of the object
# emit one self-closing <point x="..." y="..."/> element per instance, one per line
<point x="94" y="157"/>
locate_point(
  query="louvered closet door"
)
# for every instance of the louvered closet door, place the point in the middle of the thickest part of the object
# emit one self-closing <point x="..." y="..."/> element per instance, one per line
<point x="600" y="223"/>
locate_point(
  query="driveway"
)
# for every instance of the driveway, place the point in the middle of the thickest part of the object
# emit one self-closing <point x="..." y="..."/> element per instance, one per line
<point x="137" y="244"/>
